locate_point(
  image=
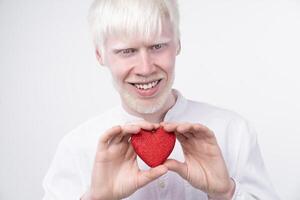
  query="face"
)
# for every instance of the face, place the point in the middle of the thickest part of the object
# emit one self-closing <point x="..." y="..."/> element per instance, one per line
<point x="142" y="70"/>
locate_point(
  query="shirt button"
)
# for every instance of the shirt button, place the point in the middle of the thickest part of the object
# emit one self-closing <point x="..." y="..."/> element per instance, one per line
<point x="161" y="184"/>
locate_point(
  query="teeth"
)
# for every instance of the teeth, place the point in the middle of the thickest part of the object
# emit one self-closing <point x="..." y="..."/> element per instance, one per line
<point x="146" y="86"/>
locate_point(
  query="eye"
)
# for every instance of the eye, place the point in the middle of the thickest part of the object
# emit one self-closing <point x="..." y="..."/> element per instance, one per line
<point x="157" y="47"/>
<point x="127" y="51"/>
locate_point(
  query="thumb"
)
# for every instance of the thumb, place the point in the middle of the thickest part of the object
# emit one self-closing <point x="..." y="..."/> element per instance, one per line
<point x="147" y="176"/>
<point x="178" y="167"/>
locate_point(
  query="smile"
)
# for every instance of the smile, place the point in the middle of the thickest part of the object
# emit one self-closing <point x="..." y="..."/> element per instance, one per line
<point x="146" y="86"/>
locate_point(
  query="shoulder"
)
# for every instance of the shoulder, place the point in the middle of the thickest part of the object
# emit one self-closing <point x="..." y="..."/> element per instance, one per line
<point x="228" y="123"/>
<point x="210" y="111"/>
<point x="88" y="132"/>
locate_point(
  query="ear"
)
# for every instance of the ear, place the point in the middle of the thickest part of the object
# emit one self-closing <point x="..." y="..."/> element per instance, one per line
<point x="99" y="57"/>
<point x="178" y="47"/>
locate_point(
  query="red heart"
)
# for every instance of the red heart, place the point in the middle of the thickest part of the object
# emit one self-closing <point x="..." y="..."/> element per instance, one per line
<point x="153" y="147"/>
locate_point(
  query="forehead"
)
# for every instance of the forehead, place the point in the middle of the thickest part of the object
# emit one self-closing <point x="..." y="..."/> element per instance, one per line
<point x="121" y="40"/>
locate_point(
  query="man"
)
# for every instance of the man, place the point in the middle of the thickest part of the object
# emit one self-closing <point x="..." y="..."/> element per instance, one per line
<point x="216" y="154"/>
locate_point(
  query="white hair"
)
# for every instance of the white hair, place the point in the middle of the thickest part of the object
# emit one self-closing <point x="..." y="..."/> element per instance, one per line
<point x="131" y="19"/>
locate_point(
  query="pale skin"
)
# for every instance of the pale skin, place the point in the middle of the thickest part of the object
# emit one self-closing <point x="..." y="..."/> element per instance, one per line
<point x="204" y="166"/>
<point x="115" y="173"/>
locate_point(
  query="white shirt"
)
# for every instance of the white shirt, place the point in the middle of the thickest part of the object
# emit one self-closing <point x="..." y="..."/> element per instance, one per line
<point x="70" y="172"/>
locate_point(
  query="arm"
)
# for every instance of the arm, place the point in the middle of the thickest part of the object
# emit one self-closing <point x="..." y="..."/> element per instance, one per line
<point x="63" y="180"/>
<point x="205" y="169"/>
<point x="115" y="174"/>
<point x="251" y="178"/>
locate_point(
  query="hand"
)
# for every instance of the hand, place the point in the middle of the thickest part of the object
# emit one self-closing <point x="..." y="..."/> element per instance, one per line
<point x="204" y="166"/>
<point x="116" y="174"/>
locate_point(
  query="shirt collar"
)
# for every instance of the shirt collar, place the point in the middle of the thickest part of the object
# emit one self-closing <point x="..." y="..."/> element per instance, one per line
<point x="178" y="108"/>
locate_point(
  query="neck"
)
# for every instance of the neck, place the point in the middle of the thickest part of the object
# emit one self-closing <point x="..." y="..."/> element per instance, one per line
<point x="158" y="116"/>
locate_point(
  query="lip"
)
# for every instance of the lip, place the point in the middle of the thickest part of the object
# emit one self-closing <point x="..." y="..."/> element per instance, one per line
<point x="149" y="92"/>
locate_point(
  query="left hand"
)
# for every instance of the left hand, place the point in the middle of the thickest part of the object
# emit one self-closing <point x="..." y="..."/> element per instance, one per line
<point x="204" y="167"/>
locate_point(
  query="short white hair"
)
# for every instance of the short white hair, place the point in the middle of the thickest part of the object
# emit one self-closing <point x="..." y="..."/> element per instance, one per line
<point x="131" y="19"/>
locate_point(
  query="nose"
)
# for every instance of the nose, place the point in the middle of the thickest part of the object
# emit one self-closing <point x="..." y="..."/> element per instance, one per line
<point x="145" y="66"/>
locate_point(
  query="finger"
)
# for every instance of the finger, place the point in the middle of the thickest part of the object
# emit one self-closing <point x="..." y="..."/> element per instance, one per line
<point x="195" y="130"/>
<point x="129" y="129"/>
<point x="147" y="125"/>
<point x="164" y="123"/>
<point x="116" y="139"/>
<point x="169" y="127"/>
<point x="188" y="135"/>
<point x="108" y="135"/>
<point x="156" y="125"/>
<point x="147" y="176"/>
<point x="126" y="139"/>
<point x="172" y="127"/>
<point x="125" y="134"/>
<point x="185" y="129"/>
<point x="178" y="167"/>
<point x="181" y="137"/>
<point x="130" y="154"/>
<point x="200" y="130"/>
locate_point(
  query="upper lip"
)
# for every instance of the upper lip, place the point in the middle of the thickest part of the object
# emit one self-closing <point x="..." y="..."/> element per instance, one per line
<point x="145" y="82"/>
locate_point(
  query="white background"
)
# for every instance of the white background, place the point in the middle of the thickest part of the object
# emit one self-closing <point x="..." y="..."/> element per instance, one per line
<point x="241" y="55"/>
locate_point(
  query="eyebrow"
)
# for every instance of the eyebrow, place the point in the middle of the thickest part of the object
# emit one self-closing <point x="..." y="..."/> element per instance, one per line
<point x="119" y="47"/>
<point x="116" y="50"/>
<point x="162" y="40"/>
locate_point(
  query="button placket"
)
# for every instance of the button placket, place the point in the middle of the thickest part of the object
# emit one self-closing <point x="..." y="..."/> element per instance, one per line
<point x="161" y="184"/>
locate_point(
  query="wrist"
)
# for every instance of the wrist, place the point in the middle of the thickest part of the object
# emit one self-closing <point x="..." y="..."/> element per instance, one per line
<point x="89" y="196"/>
<point x="225" y="196"/>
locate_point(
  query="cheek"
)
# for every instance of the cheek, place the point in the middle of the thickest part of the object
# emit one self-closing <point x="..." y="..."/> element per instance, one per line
<point x="167" y="61"/>
<point x="119" y="69"/>
<point x="118" y="74"/>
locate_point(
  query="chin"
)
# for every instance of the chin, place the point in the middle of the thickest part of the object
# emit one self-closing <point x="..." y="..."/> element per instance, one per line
<point x="146" y="106"/>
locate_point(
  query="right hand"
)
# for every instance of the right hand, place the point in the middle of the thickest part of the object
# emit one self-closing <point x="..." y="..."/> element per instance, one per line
<point x="116" y="174"/>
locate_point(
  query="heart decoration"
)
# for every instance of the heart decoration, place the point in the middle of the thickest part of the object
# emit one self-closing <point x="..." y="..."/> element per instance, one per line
<point x="153" y="147"/>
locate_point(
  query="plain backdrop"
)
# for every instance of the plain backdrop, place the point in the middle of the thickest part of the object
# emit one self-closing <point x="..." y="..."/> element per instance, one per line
<point x="240" y="55"/>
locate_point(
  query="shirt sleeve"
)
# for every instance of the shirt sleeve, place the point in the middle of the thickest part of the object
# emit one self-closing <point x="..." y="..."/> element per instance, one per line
<point x="63" y="180"/>
<point x="251" y="178"/>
